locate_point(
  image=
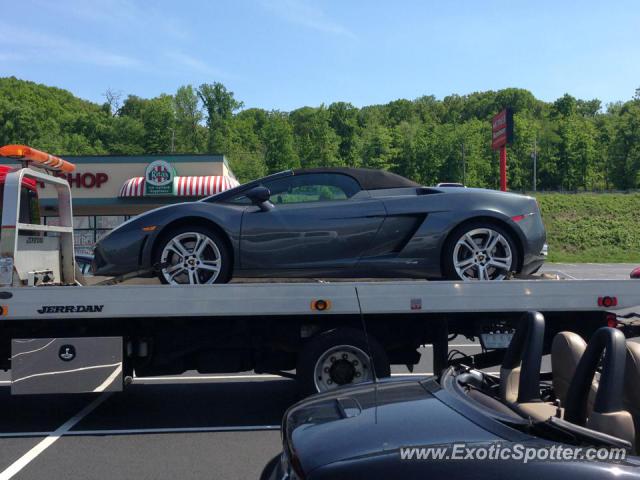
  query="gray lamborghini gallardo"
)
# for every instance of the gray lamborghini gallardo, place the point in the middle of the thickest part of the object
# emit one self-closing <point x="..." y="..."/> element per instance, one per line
<point x="329" y="223"/>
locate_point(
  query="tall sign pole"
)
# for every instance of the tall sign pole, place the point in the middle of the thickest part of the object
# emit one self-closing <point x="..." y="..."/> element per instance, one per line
<point x="501" y="135"/>
<point x="535" y="163"/>
<point x="503" y="168"/>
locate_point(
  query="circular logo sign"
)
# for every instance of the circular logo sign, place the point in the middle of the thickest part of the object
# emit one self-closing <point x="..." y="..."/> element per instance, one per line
<point x="67" y="353"/>
<point x="159" y="173"/>
<point x="158" y="178"/>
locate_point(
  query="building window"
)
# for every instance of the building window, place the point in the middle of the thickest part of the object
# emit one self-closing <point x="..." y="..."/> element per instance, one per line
<point x="88" y="229"/>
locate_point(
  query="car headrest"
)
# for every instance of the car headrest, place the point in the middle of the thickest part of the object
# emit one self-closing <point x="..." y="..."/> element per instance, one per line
<point x="566" y="350"/>
<point x="610" y="390"/>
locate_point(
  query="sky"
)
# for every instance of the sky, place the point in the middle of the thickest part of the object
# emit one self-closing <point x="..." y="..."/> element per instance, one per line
<point x="285" y="54"/>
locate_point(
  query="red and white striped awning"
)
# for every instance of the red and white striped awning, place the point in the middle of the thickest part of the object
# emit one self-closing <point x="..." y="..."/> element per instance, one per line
<point x="202" y="186"/>
<point x="195" y="186"/>
<point x="134" y="187"/>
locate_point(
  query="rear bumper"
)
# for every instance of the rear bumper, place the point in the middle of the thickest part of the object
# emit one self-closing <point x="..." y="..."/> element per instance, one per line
<point x="533" y="265"/>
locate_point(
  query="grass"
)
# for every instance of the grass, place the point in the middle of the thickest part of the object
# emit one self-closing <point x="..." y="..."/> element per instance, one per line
<point x="592" y="227"/>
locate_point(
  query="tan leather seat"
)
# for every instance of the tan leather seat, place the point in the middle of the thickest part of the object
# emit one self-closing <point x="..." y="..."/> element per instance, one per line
<point x="509" y="381"/>
<point x="538" y="411"/>
<point x="632" y="385"/>
<point x="607" y="349"/>
<point x="566" y="350"/>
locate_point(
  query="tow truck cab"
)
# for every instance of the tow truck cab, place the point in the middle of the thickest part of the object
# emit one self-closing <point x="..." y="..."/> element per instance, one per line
<point x="32" y="253"/>
<point x="29" y="201"/>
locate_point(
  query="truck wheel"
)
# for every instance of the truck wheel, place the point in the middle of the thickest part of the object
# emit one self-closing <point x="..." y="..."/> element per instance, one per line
<point x="479" y="251"/>
<point x="193" y="256"/>
<point x="339" y="357"/>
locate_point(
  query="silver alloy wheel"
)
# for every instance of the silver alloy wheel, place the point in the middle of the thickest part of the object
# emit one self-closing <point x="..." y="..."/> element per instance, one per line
<point x="482" y="254"/>
<point x="191" y="258"/>
<point x="341" y="365"/>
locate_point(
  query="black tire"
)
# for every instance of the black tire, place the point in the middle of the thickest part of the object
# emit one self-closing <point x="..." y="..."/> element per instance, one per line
<point x="315" y="348"/>
<point x="223" y="276"/>
<point x="448" y="267"/>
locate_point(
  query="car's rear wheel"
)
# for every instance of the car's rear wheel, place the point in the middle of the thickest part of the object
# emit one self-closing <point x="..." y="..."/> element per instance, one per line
<point x="480" y="251"/>
<point x="193" y="256"/>
<point x="340" y="357"/>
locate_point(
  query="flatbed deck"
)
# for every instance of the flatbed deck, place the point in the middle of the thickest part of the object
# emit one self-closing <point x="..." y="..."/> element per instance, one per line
<point x="294" y="299"/>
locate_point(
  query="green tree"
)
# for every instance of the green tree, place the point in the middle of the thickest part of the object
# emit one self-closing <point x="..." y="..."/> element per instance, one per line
<point x="377" y="148"/>
<point x="220" y="105"/>
<point x="188" y="137"/>
<point x="278" y="141"/>
<point x="343" y="119"/>
<point x="317" y="144"/>
<point x="158" y="119"/>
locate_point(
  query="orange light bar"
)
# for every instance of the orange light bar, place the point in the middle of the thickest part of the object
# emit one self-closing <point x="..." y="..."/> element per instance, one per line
<point x="22" y="152"/>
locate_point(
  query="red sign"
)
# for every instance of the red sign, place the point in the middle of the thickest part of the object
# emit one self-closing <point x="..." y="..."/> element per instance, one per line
<point x="502" y="129"/>
<point x="84" y="180"/>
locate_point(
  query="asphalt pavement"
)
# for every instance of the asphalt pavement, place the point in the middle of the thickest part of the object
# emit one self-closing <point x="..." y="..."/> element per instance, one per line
<point x="189" y="426"/>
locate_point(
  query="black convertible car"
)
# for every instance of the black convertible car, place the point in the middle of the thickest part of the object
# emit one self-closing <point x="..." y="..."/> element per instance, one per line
<point x="573" y="424"/>
<point x="331" y="222"/>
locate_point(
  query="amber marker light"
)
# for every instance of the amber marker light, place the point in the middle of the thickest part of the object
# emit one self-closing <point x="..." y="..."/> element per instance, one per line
<point x="320" y="305"/>
<point x="46" y="160"/>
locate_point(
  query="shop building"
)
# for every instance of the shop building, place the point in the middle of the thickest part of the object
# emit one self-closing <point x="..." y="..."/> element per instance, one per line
<point x="108" y="190"/>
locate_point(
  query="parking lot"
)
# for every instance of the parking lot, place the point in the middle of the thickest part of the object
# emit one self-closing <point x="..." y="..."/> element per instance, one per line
<point x="188" y="426"/>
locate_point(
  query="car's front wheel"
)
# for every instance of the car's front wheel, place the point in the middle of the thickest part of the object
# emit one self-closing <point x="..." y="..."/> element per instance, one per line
<point x="480" y="251"/>
<point x="193" y="256"/>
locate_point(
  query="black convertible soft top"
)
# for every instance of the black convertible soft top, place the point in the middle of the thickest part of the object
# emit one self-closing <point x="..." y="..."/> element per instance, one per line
<point x="368" y="178"/>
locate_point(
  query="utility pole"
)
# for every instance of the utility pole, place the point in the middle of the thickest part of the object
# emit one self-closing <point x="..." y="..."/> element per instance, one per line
<point x="464" y="167"/>
<point x="534" y="155"/>
<point x="173" y="140"/>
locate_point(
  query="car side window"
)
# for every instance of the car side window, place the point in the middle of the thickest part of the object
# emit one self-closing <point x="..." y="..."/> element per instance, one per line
<point x="312" y="187"/>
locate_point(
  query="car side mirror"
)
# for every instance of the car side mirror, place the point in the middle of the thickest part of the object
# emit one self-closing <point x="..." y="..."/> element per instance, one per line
<point x="260" y="196"/>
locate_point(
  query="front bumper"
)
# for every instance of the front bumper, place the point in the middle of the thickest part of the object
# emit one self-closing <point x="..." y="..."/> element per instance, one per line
<point x="118" y="254"/>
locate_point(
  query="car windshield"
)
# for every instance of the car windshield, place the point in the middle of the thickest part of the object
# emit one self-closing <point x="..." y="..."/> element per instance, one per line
<point x="241" y="188"/>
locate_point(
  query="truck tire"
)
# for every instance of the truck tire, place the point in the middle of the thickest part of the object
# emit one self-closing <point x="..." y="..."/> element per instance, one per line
<point x="339" y="357"/>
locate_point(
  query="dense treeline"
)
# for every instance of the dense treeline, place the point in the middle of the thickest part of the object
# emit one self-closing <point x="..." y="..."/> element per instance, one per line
<point x="580" y="144"/>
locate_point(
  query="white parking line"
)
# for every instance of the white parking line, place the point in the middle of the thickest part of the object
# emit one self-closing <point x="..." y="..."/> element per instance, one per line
<point x="52" y="437"/>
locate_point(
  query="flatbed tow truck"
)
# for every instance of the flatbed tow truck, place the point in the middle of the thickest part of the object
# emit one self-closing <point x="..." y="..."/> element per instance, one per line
<point x="60" y="336"/>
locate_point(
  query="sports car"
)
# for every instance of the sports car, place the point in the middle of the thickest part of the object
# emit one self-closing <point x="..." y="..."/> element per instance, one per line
<point x="467" y="423"/>
<point x="328" y="223"/>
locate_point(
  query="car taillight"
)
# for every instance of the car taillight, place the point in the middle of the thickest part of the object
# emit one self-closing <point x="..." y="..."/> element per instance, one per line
<point x="635" y="273"/>
<point x="518" y="218"/>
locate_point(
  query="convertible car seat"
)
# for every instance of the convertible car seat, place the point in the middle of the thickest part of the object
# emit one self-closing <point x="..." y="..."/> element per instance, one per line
<point x="566" y="350"/>
<point x="632" y="385"/>
<point x="520" y="371"/>
<point x="608" y="415"/>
